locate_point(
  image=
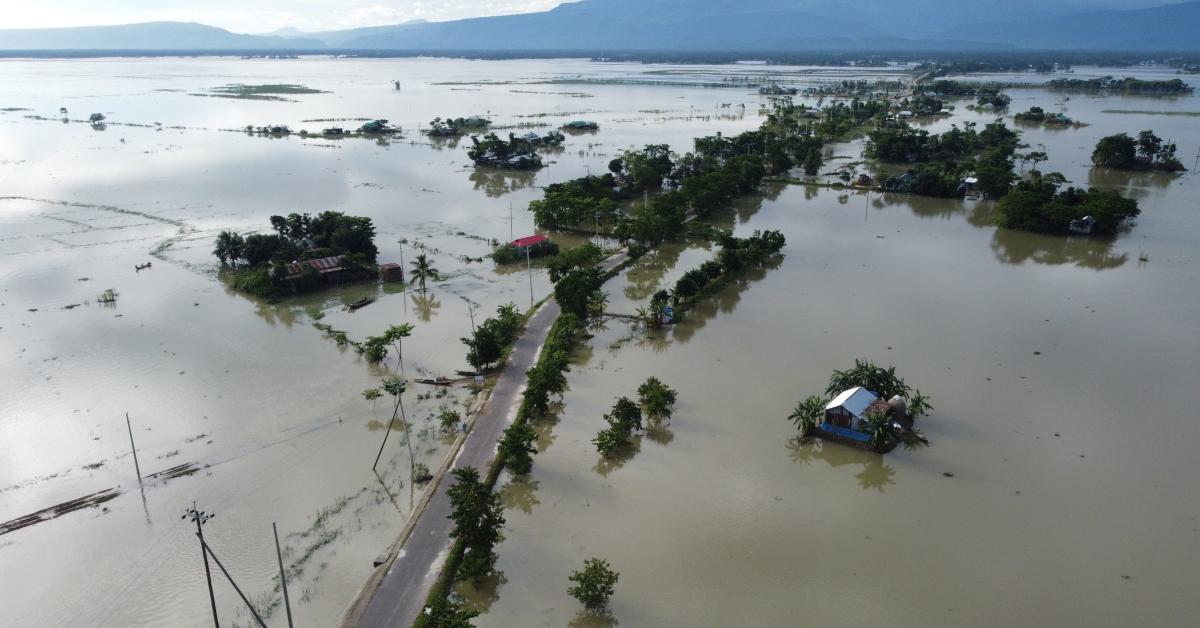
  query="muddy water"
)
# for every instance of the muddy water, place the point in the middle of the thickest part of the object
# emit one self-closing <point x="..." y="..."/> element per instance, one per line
<point x="716" y="519"/>
<point x="1055" y="491"/>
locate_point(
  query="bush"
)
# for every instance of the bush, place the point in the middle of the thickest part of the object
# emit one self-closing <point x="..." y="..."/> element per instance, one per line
<point x="593" y="584"/>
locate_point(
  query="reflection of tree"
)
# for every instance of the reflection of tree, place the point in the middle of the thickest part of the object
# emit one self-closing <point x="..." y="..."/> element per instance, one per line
<point x="644" y="278"/>
<point x="873" y="475"/>
<point x="443" y="142"/>
<point x="1017" y="247"/>
<point x="724" y="301"/>
<point x="660" y="434"/>
<point x="593" y="619"/>
<point x="1133" y="184"/>
<point x="496" y="183"/>
<point x="481" y="598"/>
<point x="426" y="305"/>
<point x="618" y="459"/>
<point x="544" y="427"/>
<point x="520" y="494"/>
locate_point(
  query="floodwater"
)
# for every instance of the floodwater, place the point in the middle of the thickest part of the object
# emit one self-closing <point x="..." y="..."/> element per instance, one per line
<point x="716" y="520"/>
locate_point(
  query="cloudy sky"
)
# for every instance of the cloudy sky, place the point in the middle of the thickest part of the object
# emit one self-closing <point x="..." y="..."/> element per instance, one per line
<point x="254" y="16"/>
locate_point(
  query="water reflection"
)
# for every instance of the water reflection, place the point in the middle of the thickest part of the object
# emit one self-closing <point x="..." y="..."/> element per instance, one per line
<point x="1135" y="185"/>
<point x="496" y="183"/>
<point x="426" y="305"/>
<point x="482" y="598"/>
<point x="660" y="433"/>
<point x="441" y="142"/>
<point x="1018" y="247"/>
<point x="724" y="302"/>
<point x="873" y="475"/>
<point x="520" y="494"/>
<point x="593" y="619"/>
<point x="645" y="278"/>
<point x="606" y="465"/>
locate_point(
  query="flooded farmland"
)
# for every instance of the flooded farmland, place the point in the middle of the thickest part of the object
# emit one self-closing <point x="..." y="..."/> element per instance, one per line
<point x="1054" y="491"/>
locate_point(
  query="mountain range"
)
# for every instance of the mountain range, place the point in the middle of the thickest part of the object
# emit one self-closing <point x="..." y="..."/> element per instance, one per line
<point x="695" y="25"/>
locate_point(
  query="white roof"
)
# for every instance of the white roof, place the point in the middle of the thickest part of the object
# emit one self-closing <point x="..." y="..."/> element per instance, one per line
<point x="855" y="401"/>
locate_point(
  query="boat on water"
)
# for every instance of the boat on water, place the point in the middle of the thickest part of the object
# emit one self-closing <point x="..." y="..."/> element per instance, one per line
<point x="439" y="381"/>
<point x="361" y="303"/>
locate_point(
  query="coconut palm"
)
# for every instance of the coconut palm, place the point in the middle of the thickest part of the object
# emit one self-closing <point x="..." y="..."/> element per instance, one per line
<point x="422" y="270"/>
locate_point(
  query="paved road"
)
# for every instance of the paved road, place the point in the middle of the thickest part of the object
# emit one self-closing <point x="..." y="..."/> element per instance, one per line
<point x="401" y="594"/>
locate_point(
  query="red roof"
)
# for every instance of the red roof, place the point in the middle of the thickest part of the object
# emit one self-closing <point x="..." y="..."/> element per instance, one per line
<point x="529" y="241"/>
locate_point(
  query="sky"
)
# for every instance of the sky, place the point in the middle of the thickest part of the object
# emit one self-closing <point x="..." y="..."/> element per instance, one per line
<point x="254" y="16"/>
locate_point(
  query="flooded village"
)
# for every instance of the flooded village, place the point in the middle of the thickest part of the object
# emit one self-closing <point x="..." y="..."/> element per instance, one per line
<point x="534" y="342"/>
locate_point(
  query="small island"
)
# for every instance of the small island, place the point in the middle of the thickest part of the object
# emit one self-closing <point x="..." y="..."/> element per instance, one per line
<point x="1037" y="204"/>
<point x="304" y="254"/>
<point x="868" y="408"/>
<point x="1146" y="152"/>
<point x="581" y="126"/>
<point x="453" y="127"/>
<point x="516" y="153"/>
<point x="1037" y="115"/>
<point x="1128" y="85"/>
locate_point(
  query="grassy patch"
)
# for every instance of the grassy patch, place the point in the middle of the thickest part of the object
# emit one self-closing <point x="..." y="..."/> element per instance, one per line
<point x="274" y="91"/>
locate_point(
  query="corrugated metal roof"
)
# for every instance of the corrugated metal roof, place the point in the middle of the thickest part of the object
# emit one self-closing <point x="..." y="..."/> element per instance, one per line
<point x="855" y="401"/>
<point x="529" y="241"/>
<point x="323" y="265"/>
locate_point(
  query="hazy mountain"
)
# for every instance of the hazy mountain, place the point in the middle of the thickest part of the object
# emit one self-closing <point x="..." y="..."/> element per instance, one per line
<point x="724" y="25"/>
<point x="146" y="36"/>
<point x="1170" y="27"/>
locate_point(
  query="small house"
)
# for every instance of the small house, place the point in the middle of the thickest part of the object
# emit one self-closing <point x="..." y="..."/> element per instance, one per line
<point x="902" y="183"/>
<point x="330" y="269"/>
<point x="849" y="409"/>
<point x="1083" y="225"/>
<point x="581" y="125"/>
<point x="529" y="241"/>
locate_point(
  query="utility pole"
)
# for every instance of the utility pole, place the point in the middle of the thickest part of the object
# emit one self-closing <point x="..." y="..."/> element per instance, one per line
<point x="529" y="267"/>
<point x="510" y="222"/>
<point x="133" y="448"/>
<point x="200" y="517"/>
<point x="282" y="576"/>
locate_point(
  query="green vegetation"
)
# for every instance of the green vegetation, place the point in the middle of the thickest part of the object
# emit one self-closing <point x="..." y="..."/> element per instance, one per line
<point x="593" y="584"/>
<point x="1036" y="204"/>
<point x="258" y="263"/>
<point x="375" y="348"/>
<point x="493" y="336"/>
<point x="516" y="153"/>
<point x="452" y="127"/>
<point x="446" y="613"/>
<point x="735" y="254"/>
<point x="96" y="118"/>
<point x="259" y="92"/>
<point x="575" y="290"/>
<point x="478" y="517"/>
<point x="516" y="448"/>
<point x="947" y="160"/>
<point x="510" y="253"/>
<point x="624" y="419"/>
<point x="1146" y="152"/>
<point x="1126" y="85"/>
<point x="657" y="399"/>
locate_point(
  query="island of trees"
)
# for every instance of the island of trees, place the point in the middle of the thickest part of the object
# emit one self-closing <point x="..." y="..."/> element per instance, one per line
<point x="304" y="253"/>
<point x="1037" y="115"/>
<point x="1038" y="204"/>
<point x="515" y="153"/>
<point x="1145" y="152"/>
<point x="1126" y="85"/>
<point x="452" y="127"/>
<point x="945" y="161"/>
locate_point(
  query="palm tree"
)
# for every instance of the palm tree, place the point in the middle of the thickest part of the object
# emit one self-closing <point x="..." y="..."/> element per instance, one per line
<point x="882" y="430"/>
<point x="423" y="270"/>
<point x="919" y="404"/>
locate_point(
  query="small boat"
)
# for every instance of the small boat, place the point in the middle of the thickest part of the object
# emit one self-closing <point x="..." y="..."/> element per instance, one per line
<point x="465" y="373"/>
<point x="140" y="267"/>
<point x="440" y="381"/>
<point x="361" y="303"/>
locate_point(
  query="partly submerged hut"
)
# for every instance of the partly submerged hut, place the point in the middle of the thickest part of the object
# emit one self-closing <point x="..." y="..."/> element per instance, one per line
<point x="391" y="272"/>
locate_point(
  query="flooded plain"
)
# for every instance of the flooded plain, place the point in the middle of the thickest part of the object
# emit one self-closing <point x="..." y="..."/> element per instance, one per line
<point x="1054" y="491"/>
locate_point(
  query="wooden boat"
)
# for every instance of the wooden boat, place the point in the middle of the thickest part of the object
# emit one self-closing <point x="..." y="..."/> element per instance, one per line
<point x="361" y="303"/>
<point x="465" y="373"/>
<point x="440" y="381"/>
<point x="140" y="267"/>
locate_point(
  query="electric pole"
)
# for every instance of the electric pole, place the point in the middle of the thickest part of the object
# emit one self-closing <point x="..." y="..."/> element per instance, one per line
<point x="133" y="448"/>
<point x="529" y="267"/>
<point x="200" y="517"/>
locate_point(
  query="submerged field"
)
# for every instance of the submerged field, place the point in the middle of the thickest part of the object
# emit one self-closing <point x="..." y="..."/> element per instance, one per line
<point x="1054" y="491"/>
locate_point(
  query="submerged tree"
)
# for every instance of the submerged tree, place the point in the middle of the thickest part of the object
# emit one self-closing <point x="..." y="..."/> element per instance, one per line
<point x="594" y="584"/>
<point x="808" y="414"/>
<point x="657" y="399"/>
<point x="478" y="517"/>
<point x="516" y="448"/>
